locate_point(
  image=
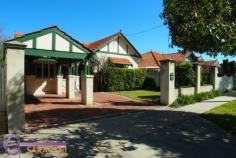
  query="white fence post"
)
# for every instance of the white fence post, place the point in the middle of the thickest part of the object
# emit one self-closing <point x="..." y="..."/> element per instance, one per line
<point x="15" y="86"/>
<point x="167" y="84"/>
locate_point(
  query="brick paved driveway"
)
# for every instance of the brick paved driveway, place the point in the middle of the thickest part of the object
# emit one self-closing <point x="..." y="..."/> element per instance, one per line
<point x="52" y="110"/>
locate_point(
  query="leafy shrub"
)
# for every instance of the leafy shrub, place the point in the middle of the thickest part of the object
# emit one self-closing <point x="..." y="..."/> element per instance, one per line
<point x="149" y="84"/>
<point x="118" y="79"/>
<point x="185" y="75"/>
<point x="185" y="100"/>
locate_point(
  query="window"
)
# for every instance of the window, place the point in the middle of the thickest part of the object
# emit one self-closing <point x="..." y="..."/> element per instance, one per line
<point x="45" y="70"/>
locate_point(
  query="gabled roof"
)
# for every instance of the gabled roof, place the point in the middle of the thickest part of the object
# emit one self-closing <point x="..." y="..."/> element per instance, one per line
<point x="22" y="36"/>
<point x="152" y="58"/>
<point x="96" y="45"/>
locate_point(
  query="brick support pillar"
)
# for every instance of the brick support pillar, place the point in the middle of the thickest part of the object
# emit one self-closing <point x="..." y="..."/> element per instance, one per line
<point x="70" y="86"/>
<point x="87" y="89"/>
<point x="167" y="84"/>
<point x="59" y="85"/>
<point x="198" y="78"/>
<point x="15" y="86"/>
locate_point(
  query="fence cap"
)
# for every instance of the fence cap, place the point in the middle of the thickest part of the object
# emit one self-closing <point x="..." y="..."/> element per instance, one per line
<point x="167" y="60"/>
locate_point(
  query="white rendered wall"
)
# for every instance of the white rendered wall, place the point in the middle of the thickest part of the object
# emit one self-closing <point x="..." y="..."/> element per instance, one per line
<point x="44" y="42"/>
<point x="77" y="50"/>
<point x="29" y="44"/>
<point x="61" y="44"/>
<point x="113" y="47"/>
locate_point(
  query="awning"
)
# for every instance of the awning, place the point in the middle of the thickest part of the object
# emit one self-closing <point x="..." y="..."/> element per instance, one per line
<point x="54" y="54"/>
<point x="123" y="61"/>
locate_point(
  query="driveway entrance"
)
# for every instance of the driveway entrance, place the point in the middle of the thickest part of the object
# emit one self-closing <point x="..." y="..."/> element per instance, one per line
<point x="54" y="110"/>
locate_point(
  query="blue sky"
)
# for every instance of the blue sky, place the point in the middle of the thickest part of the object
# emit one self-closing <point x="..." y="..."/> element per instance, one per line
<point x="89" y="20"/>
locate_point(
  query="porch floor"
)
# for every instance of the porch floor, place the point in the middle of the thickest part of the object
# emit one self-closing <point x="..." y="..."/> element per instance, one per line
<point x="52" y="110"/>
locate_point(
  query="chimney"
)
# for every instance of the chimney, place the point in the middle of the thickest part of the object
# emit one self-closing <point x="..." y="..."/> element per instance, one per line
<point x="18" y="34"/>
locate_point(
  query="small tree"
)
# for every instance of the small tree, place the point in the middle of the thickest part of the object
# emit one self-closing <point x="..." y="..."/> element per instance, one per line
<point x="202" y="25"/>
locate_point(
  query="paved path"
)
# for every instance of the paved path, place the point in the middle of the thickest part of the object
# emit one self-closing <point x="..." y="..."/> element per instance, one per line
<point x="153" y="133"/>
<point x="206" y="105"/>
<point x="149" y="133"/>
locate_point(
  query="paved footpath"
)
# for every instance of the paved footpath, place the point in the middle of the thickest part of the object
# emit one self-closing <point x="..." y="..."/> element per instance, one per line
<point x="206" y="105"/>
<point x="146" y="134"/>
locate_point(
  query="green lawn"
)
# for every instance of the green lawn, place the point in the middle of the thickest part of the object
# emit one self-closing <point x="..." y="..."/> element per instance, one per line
<point x="141" y="95"/>
<point x="224" y="116"/>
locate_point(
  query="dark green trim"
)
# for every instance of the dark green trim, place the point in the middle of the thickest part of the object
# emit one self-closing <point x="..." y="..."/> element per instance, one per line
<point x="120" y="34"/>
<point x="54" y="31"/>
<point x="53" y="41"/>
<point x="117" y="54"/>
<point x="55" y="54"/>
<point x="34" y="43"/>
<point x="70" y="47"/>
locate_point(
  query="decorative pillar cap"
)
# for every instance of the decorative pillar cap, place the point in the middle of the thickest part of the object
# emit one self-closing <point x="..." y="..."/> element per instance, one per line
<point x="14" y="45"/>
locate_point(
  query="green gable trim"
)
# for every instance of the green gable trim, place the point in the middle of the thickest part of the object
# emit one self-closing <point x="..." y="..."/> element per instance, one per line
<point x="53" y="41"/>
<point x="54" y="54"/>
<point x="54" y="31"/>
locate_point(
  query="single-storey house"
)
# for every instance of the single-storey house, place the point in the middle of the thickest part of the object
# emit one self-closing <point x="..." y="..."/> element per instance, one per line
<point x="112" y="51"/>
<point x="115" y="49"/>
<point x="50" y="52"/>
<point x="151" y="62"/>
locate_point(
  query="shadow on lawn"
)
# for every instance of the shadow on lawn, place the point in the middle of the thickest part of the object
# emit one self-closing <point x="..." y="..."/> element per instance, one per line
<point x="227" y="122"/>
<point x="163" y="133"/>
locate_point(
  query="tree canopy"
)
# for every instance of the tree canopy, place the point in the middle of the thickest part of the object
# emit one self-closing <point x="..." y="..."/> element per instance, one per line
<point x="204" y="26"/>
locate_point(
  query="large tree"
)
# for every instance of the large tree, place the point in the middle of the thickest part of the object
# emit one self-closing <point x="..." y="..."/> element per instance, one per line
<point x="204" y="26"/>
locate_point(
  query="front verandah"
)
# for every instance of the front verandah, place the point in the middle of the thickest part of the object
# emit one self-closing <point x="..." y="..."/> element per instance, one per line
<point x="52" y="76"/>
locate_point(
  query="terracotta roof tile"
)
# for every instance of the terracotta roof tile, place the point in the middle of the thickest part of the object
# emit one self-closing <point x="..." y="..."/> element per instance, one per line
<point x="152" y="58"/>
<point x="94" y="45"/>
<point x="209" y="63"/>
<point x="120" y="61"/>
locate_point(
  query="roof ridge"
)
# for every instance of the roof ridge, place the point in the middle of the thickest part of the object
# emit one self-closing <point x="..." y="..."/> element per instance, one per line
<point x="26" y="34"/>
<point x="155" y="58"/>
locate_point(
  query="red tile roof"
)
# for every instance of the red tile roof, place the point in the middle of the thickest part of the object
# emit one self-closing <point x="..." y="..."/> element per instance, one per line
<point x="152" y="58"/>
<point x="209" y="63"/>
<point x="94" y="45"/>
<point x="120" y="61"/>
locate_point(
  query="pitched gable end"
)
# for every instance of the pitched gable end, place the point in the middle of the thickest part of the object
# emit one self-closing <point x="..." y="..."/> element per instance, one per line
<point x="52" y="38"/>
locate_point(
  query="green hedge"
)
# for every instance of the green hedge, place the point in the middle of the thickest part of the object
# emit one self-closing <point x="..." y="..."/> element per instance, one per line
<point x="149" y="84"/>
<point x="185" y="75"/>
<point x="190" y="99"/>
<point x="118" y="79"/>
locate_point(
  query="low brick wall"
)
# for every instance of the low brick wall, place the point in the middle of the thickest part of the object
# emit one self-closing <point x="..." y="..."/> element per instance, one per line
<point x="3" y="122"/>
<point x="206" y="88"/>
<point x="187" y="90"/>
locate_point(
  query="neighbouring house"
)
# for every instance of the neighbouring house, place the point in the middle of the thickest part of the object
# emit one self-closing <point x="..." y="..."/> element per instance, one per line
<point x="114" y="51"/>
<point x="151" y="62"/>
<point x="50" y="52"/>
